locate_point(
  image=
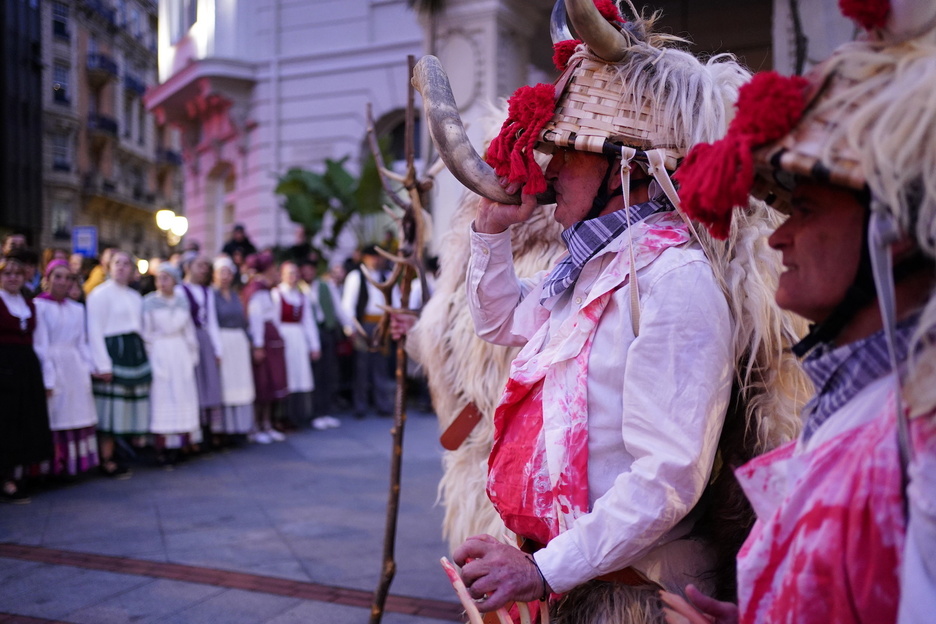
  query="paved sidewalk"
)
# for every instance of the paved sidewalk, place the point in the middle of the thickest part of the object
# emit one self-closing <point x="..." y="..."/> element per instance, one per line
<point x="284" y="533"/>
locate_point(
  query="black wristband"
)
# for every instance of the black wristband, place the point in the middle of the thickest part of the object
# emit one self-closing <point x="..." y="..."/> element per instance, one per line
<point x="545" y="596"/>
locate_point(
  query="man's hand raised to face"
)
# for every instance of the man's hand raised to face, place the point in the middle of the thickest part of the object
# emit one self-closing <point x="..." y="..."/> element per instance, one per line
<point x="494" y="218"/>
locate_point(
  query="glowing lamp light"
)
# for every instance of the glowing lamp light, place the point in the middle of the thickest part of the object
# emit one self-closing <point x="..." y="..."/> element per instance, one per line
<point x="164" y="219"/>
<point x="142" y="266"/>
<point x="179" y="225"/>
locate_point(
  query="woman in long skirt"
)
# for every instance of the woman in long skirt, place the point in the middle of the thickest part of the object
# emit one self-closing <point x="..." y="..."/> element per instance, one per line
<point x="197" y="289"/>
<point x="122" y="370"/>
<point x="172" y="348"/>
<point x="269" y="362"/>
<point x="296" y="324"/>
<point x="237" y="383"/>
<point x="61" y="342"/>
<point x="24" y="422"/>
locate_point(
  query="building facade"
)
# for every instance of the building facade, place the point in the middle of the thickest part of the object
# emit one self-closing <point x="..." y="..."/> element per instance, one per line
<point x="20" y="119"/>
<point x="257" y="87"/>
<point x="106" y="163"/>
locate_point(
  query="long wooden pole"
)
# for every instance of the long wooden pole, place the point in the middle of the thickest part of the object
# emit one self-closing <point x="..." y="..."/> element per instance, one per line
<point x="410" y="244"/>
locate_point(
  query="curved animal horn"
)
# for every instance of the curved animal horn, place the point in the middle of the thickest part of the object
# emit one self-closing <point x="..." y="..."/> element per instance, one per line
<point x="558" y="25"/>
<point x="604" y="40"/>
<point x="448" y="133"/>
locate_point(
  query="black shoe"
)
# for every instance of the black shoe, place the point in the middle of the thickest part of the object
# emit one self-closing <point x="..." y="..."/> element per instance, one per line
<point x="13" y="495"/>
<point x="113" y="470"/>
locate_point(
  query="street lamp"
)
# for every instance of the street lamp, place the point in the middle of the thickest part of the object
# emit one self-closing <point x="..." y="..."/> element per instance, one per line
<point x="175" y="226"/>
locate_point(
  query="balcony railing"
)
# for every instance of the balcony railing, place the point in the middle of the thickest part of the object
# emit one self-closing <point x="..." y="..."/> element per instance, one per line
<point x="101" y="67"/>
<point x="103" y="10"/>
<point x="169" y="157"/>
<point x="97" y="184"/>
<point x="134" y="84"/>
<point x="102" y="124"/>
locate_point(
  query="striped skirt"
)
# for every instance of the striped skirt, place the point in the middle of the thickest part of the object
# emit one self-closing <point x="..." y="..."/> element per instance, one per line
<point x="74" y="451"/>
<point x="123" y="403"/>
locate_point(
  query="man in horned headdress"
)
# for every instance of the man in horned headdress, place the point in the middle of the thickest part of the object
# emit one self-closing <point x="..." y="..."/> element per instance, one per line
<point x="634" y="345"/>
<point x="848" y="153"/>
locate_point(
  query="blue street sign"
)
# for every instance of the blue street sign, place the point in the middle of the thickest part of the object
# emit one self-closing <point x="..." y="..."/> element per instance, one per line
<point x="84" y="240"/>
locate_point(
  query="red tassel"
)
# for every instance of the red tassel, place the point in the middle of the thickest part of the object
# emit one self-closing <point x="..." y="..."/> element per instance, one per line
<point x="769" y="106"/>
<point x="609" y="10"/>
<point x="869" y="14"/>
<point x="511" y="152"/>
<point x="713" y="179"/>
<point x="562" y="51"/>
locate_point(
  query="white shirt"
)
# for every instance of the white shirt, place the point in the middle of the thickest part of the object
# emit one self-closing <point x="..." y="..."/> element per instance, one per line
<point x="656" y="403"/>
<point x="260" y="309"/>
<point x="16" y="305"/>
<point x="295" y="297"/>
<point x="352" y="288"/>
<point x="60" y="325"/>
<point x="312" y="292"/>
<point x="112" y="310"/>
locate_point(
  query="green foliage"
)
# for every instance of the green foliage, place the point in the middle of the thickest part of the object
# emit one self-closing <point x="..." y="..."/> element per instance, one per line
<point x="308" y="196"/>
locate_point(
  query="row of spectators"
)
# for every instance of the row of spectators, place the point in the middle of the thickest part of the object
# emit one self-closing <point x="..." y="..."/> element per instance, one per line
<point x="105" y="365"/>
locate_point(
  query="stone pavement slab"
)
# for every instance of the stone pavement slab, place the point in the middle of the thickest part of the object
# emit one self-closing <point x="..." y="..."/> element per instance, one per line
<point x="309" y="511"/>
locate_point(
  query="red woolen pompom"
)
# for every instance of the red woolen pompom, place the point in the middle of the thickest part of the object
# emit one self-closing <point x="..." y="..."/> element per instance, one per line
<point x="769" y="106"/>
<point x="869" y="14"/>
<point x="609" y="10"/>
<point x="562" y="51"/>
<point x="715" y="178"/>
<point x="511" y="151"/>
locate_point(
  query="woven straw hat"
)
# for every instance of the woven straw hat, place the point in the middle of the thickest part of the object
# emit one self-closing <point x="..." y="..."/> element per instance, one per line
<point x="596" y="107"/>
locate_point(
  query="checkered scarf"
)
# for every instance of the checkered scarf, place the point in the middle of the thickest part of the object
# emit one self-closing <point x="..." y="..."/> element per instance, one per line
<point x="586" y="238"/>
<point x="840" y="373"/>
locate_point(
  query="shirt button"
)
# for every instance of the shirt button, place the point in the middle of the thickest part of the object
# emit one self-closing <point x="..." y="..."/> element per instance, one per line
<point x="578" y="300"/>
<point x="485" y="251"/>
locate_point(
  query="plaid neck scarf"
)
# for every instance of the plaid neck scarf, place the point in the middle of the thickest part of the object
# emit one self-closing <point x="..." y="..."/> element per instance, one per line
<point x="839" y="373"/>
<point x="586" y="238"/>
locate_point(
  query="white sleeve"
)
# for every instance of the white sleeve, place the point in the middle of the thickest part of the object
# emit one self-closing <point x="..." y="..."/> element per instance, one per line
<point x="918" y="570"/>
<point x="352" y="289"/>
<point x="677" y="383"/>
<point x="83" y="348"/>
<point x="148" y="329"/>
<point x="97" y="307"/>
<point x="344" y="318"/>
<point x="41" y="341"/>
<point x="255" y="320"/>
<point x="494" y="291"/>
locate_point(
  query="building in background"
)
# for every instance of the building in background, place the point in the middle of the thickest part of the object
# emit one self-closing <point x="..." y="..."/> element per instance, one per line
<point x="261" y="86"/>
<point x="20" y="119"/>
<point x="257" y="87"/>
<point x="106" y="163"/>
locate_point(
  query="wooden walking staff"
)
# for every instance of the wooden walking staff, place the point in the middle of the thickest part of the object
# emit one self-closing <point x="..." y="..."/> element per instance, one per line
<point x="408" y="264"/>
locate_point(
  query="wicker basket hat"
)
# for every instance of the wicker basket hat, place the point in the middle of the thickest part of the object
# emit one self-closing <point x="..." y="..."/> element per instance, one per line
<point x="624" y="86"/>
<point x="596" y="107"/>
